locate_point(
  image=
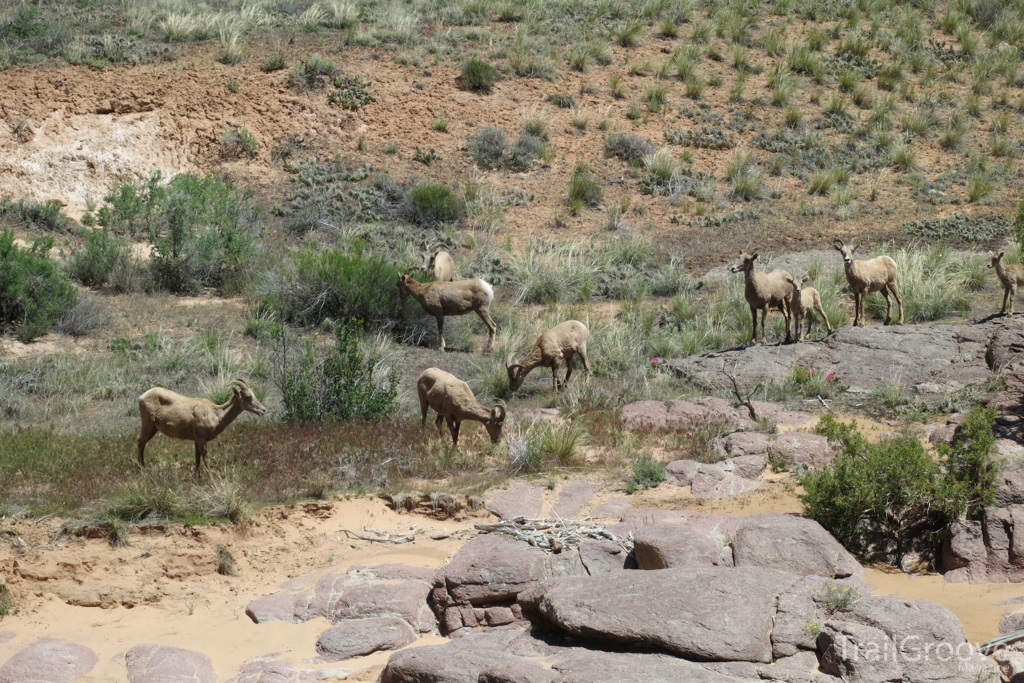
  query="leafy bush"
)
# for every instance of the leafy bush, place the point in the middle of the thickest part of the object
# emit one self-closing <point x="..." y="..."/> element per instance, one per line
<point x="562" y="101"/>
<point x="129" y="208"/>
<point x="478" y="75"/>
<point x="34" y="294"/>
<point x="342" y="386"/>
<point x="311" y="73"/>
<point x="628" y="147"/>
<point x="433" y="205"/>
<point x="487" y="148"/>
<point x="351" y="92"/>
<point x="877" y="499"/>
<point x="527" y="148"/>
<point x="44" y="215"/>
<point x="274" y="63"/>
<point x="327" y="283"/>
<point x="583" y="186"/>
<point x="100" y="254"/>
<point x="647" y="473"/>
<point x="240" y="142"/>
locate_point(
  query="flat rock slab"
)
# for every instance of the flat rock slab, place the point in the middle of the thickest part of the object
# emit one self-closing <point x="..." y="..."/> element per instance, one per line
<point x="812" y="450"/>
<point x="359" y="637"/>
<point x="929" y="357"/>
<point x="716" y="614"/>
<point x="711" y="483"/>
<point x="716" y="481"/>
<point x="613" y="507"/>
<point x="573" y="497"/>
<point x="48" y="661"/>
<point x="793" y="544"/>
<point x="269" y="670"/>
<point x="522" y="500"/>
<point x="745" y="443"/>
<point x="668" y="545"/>
<point x="149" y="663"/>
<point x="393" y="572"/>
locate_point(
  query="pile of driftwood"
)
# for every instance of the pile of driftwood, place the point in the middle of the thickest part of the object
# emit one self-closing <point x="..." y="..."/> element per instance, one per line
<point x="554" y="535"/>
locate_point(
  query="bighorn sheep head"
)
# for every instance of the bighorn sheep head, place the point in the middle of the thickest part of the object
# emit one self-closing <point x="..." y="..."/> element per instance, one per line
<point x="247" y="398"/>
<point x="846" y="251"/>
<point x="516" y="372"/>
<point x="496" y="422"/>
<point x="996" y="258"/>
<point x="745" y="263"/>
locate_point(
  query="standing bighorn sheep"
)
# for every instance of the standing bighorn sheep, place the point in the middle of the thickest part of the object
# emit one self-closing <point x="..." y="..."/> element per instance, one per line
<point x="454" y="402"/>
<point x="452" y="298"/>
<point x="806" y="300"/>
<point x="874" y="275"/>
<point x="558" y="344"/>
<point x="1011" y="275"/>
<point x="764" y="291"/>
<point x="438" y="261"/>
<point x="192" y="419"/>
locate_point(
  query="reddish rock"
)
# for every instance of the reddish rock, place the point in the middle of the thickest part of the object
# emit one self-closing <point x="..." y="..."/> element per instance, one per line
<point x="808" y="449"/>
<point x="613" y="507"/>
<point x="573" y="496"/>
<point x="359" y="637"/>
<point x="165" y="664"/>
<point x="644" y="415"/>
<point x="681" y="472"/>
<point x="602" y="557"/>
<point x="393" y="572"/>
<point x="522" y="500"/>
<point x="791" y="543"/>
<point x="746" y="443"/>
<point x="48" y="661"/>
<point x="336" y="597"/>
<point x="667" y="545"/>
<point x="712" y="483"/>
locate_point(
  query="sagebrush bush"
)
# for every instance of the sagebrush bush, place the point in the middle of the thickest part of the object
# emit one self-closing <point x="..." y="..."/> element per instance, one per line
<point x="433" y="205"/>
<point x="99" y="255"/>
<point x="314" y="72"/>
<point x="478" y="75"/>
<point x="43" y="215"/>
<point x="629" y="147"/>
<point x="344" y="385"/>
<point x="34" y="293"/>
<point x="487" y="148"/>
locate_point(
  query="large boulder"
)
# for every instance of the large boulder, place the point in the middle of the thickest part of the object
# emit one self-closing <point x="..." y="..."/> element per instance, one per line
<point x="603" y="557"/>
<point x="358" y="637"/>
<point x="858" y="653"/>
<point x="48" y="661"/>
<point x="718" y="614"/>
<point x="1010" y="488"/>
<point x="713" y="483"/>
<point x="812" y="450"/>
<point x="668" y="545"/>
<point x="594" y="666"/>
<point x="803" y="608"/>
<point x="791" y="543"/>
<point x="964" y="555"/>
<point x="644" y="415"/>
<point x="478" y="587"/>
<point x="522" y="500"/>
<point x="740" y="444"/>
<point x="460" y="661"/>
<point x="165" y="664"/>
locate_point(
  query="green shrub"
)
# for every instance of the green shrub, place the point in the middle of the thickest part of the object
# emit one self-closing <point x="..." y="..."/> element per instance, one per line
<point x="478" y="75"/>
<point x="647" y="473"/>
<point x="34" y="293"/>
<point x="433" y="205"/>
<point x="274" y="63"/>
<point x="43" y="215"/>
<point x="583" y="186"/>
<point x="877" y="499"/>
<point x="202" y="234"/>
<point x="351" y="92"/>
<point x="342" y="386"/>
<point x="129" y="208"/>
<point x="101" y="252"/>
<point x="487" y="148"/>
<point x="240" y="142"/>
<point x="562" y="101"/>
<point x="628" y="147"/>
<point x="312" y="72"/>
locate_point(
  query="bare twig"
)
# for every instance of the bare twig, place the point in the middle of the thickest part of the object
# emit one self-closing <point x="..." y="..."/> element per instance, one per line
<point x="743" y="400"/>
<point x="385" y="536"/>
<point x="554" y="535"/>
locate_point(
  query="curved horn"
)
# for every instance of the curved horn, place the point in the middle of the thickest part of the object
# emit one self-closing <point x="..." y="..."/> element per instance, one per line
<point x="500" y="405"/>
<point x="239" y="382"/>
<point x="838" y="243"/>
<point x="508" y="361"/>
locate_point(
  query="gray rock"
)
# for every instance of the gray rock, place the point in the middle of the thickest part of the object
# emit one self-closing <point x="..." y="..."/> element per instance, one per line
<point x="791" y="543"/>
<point x="721" y="614"/>
<point x="603" y="557"/>
<point x="573" y="496"/>
<point x="801" y="614"/>
<point x="460" y="661"/>
<point x="1010" y="488"/>
<point x="613" y="507"/>
<point x="1011" y="621"/>
<point x="644" y="415"/>
<point x="266" y="669"/>
<point x="712" y="483"/>
<point x="595" y="666"/>
<point x="858" y="653"/>
<point x="950" y="356"/>
<point x="740" y="444"/>
<point x="165" y="664"/>
<point x="668" y="545"/>
<point x="289" y="607"/>
<point x="808" y="449"/>
<point x="393" y="572"/>
<point x="336" y="597"/>
<point x="522" y="500"/>
<point x="1006" y="348"/>
<point x="519" y="670"/>
<point x="48" y="661"/>
<point x="358" y="637"/>
<point x="747" y="466"/>
<point x="681" y="472"/>
<point x="964" y="555"/>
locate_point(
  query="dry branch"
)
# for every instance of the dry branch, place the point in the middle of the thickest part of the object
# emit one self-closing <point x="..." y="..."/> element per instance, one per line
<point x="554" y="535"/>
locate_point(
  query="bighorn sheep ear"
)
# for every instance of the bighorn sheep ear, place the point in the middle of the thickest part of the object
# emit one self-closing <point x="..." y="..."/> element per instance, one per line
<point x="754" y="257"/>
<point x="790" y="280"/>
<point x="804" y="279"/>
<point x="1001" y="254"/>
<point x="838" y="245"/>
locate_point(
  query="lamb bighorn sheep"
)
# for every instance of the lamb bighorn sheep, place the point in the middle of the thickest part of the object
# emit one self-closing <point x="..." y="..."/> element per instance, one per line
<point x="1011" y="275"/>
<point x="439" y="261"/>
<point x="764" y="291"/>
<point x="192" y="419"/>
<point x="806" y="300"/>
<point x="454" y="402"/>
<point x="874" y="275"/>
<point x="452" y="298"/>
<point x="558" y="344"/>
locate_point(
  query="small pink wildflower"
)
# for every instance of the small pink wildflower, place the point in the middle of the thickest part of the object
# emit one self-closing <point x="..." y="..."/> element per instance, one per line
<point x="830" y="377"/>
<point x="655" y="361"/>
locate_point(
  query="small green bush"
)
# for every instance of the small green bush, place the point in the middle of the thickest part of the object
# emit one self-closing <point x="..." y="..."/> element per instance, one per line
<point x="274" y="63"/>
<point x="478" y="75"/>
<point x="351" y="92"/>
<point x="433" y="205"/>
<point x="562" y="101"/>
<point x="628" y="147"/>
<point x="583" y="187"/>
<point x="34" y="293"/>
<point x="43" y="215"/>
<point x="487" y="148"/>
<point x="129" y="209"/>
<point x="240" y="142"/>
<point x="647" y="473"/>
<point x="312" y="72"/>
<point x="342" y="386"/>
<point x="101" y="252"/>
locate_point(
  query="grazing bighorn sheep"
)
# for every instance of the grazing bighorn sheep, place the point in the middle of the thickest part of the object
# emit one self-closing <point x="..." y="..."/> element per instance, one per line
<point x="452" y="298"/>
<point x="764" y="291"/>
<point x="874" y="275"/>
<point x="454" y="402"/>
<point x="558" y="344"/>
<point x="439" y="261"/>
<point x="192" y="419"/>
<point x="1011" y="275"/>
<point x="806" y="300"/>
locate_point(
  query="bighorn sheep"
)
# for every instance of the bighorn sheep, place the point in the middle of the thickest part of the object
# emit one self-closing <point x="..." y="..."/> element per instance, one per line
<point x="1010" y="275"/>
<point x="454" y="402"/>
<point x="439" y="261"/>
<point x="806" y="300"/>
<point x="874" y="275"/>
<point x="192" y="419"/>
<point x="764" y="291"/>
<point x="558" y="344"/>
<point x="452" y="298"/>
